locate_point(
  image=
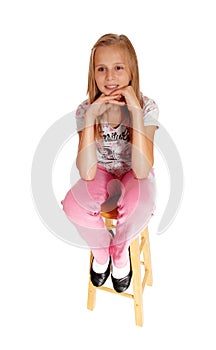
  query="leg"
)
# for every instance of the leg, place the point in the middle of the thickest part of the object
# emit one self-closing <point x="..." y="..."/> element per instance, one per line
<point x="82" y="206"/>
<point x="91" y="291"/>
<point x="135" y="208"/>
<point x="147" y="257"/>
<point x="137" y="284"/>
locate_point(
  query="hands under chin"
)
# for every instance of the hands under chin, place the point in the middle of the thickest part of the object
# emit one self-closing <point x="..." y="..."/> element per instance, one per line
<point x="126" y="96"/>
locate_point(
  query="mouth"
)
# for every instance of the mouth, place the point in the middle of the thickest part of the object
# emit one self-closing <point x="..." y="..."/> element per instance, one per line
<point x="111" y="87"/>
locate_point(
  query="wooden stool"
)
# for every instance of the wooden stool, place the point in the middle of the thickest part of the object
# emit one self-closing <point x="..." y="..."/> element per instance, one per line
<point x="139" y="246"/>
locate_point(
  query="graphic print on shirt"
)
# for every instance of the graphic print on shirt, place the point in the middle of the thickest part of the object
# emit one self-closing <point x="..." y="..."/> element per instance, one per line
<point x="114" y="149"/>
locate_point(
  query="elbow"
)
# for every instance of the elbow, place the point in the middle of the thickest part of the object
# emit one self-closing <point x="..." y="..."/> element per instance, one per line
<point x="142" y="173"/>
<point x="87" y="175"/>
<point x="141" y="164"/>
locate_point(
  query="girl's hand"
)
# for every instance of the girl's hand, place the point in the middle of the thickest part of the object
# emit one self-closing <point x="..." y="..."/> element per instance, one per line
<point x="102" y="104"/>
<point x="128" y="95"/>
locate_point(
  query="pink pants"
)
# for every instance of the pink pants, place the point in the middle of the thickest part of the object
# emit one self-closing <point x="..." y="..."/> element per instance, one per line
<point x="134" y="199"/>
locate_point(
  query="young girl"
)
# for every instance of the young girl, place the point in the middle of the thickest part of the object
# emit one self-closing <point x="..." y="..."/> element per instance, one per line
<point x="116" y="127"/>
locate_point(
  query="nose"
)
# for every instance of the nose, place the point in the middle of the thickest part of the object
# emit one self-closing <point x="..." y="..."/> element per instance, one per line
<point x="110" y="74"/>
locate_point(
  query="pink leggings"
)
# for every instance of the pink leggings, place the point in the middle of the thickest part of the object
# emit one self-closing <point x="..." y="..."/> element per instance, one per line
<point x="134" y="199"/>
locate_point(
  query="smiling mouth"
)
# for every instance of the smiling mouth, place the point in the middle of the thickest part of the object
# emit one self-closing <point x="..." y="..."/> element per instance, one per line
<point x="111" y="87"/>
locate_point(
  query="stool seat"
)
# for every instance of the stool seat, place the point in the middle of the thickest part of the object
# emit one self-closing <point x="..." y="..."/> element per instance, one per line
<point x="140" y="257"/>
<point x="112" y="215"/>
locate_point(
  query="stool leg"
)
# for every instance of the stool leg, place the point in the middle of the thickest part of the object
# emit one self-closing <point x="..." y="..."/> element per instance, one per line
<point x="147" y="257"/>
<point x="91" y="291"/>
<point x="137" y="285"/>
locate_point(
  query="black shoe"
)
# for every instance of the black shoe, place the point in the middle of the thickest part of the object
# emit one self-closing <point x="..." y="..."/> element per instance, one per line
<point x="98" y="279"/>
<point x="121" y="284"/>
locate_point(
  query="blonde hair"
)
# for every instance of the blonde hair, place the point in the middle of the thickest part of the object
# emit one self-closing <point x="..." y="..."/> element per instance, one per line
<point x="123" y="42"/>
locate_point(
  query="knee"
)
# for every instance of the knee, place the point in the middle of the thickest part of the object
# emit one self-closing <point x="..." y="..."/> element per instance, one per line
<point x="67" y="204"/>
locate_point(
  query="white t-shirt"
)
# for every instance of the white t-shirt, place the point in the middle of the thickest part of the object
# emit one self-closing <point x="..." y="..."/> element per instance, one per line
<point x="114" y="147"/>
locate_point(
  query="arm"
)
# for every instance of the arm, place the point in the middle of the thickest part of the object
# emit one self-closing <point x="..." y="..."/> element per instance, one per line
<point x="86" y="160"/>
<point x="142" y="136"/>
<point x="142" y="145"/>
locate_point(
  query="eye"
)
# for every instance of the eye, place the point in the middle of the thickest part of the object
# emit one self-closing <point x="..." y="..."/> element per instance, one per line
<point x="101" y="69"/>
<point x="119" y="67"/>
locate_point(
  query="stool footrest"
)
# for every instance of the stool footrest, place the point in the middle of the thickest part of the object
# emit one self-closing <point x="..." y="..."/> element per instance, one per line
<point x="107" y="289"/>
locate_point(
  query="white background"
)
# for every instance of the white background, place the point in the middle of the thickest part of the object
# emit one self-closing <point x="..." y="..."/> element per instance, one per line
<point x="45" y="48"/>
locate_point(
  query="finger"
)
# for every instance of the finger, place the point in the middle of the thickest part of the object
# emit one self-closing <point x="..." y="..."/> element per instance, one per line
<point x="111" y="97"/>
<point x="120" y="90"/>
<point x="115" y="102"/>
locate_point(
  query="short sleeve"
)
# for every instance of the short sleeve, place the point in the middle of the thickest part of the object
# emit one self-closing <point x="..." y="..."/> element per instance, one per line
<point x="80" y="115"/>
<point x="150" y="112"/>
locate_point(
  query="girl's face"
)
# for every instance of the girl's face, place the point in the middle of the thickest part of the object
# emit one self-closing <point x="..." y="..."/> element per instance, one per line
<point x="111" y="69"/>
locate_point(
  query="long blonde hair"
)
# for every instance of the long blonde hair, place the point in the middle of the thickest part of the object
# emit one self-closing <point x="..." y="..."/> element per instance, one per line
<point x="123" y="42"/>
